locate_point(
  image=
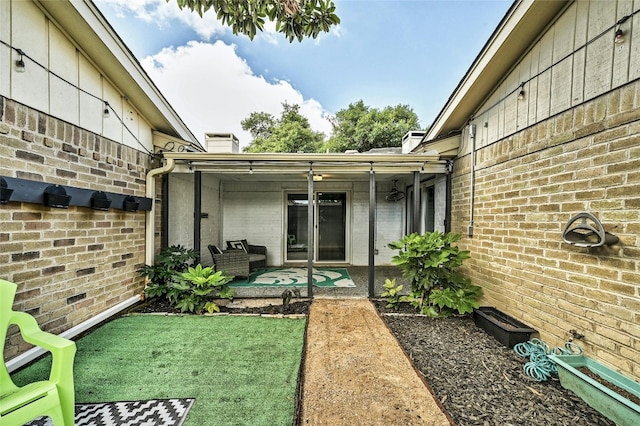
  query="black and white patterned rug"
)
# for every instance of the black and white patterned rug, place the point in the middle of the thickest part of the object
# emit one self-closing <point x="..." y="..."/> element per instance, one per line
<point x="154" y="412"/>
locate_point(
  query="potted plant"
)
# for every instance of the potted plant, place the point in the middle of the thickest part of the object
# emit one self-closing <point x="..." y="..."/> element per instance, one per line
<point x="430" y="261"/>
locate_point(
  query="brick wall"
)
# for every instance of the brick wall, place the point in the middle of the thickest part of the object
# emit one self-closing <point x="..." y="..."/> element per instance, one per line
<point x="69" y="264"/>
<point x="527" y="187"/>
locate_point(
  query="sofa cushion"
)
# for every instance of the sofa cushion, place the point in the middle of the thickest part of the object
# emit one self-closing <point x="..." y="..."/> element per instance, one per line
<point x="257" y="257"/>
<point x="238" y="245"/>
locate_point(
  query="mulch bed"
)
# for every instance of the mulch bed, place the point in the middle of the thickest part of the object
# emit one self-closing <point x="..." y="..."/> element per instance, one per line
<point x="478" y="381"/>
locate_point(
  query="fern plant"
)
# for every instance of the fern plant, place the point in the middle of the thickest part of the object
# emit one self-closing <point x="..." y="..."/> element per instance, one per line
<point x="430" y="261"/>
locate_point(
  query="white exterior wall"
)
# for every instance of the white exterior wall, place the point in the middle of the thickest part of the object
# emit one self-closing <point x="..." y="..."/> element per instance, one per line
<point x="181" y="209"/>
<point x="255" y="211"/>
<point x="211" y="225"/>
<point x="23" y="25"/>
<point x="440" y="202"/>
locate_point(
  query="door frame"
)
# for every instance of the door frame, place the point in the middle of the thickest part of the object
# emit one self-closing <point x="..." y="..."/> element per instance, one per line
<point x="347" y="226"/>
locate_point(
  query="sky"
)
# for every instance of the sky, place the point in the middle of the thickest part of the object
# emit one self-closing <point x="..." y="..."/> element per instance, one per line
<point x="384" y="52"/>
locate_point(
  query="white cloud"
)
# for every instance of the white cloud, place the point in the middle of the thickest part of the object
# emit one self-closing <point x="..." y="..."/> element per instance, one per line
<point x="163" y="13"/>
<point x="213" y="89"/>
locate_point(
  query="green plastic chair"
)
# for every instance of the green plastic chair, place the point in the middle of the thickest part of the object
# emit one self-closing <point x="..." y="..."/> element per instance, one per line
<point x="55" y="397"/>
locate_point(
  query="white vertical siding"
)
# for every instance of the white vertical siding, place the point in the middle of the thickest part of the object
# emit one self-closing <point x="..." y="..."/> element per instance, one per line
<point x="23" y="25"/>
<point x="574" y="61"/>
<point x="5" y="53"/>
<point x="63" y="96"/>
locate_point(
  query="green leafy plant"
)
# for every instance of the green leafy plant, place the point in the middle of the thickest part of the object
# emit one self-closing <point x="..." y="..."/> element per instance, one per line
<point x="171" y="261"/>
<point x="392" y="293"/>
<point x="430" y="261"/>
<point x="192" y="290"/>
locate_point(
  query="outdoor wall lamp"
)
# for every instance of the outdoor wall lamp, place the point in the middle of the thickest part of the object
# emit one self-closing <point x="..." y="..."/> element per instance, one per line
<point x="56" y="196"/>
<point x="521" y="93"/>
<point x="5" y="191"/>
<point x="105" y="113"/>
<point x="618" y="38"/>
<point x="20" y="62"/>
<point x="100" y="201"/>
<point x="130" y="204"/>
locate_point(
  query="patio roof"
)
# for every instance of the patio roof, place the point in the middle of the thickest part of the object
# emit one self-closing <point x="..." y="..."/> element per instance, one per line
<point x="287" y="166"/>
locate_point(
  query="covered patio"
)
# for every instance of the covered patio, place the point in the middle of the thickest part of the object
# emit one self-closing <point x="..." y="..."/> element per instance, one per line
<point x="216" y="198"/>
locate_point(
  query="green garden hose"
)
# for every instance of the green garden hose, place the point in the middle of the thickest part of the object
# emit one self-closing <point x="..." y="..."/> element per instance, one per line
<point x="540" y="367"/>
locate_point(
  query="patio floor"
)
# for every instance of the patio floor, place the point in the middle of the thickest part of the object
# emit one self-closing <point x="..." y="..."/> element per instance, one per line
<point x="359" y="276"/>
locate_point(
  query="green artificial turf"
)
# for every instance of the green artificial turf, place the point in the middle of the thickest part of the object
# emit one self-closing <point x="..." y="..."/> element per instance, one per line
<point x="240" y="369"/>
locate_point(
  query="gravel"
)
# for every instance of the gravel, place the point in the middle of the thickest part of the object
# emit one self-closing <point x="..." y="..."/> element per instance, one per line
<point x="478" y="380"/>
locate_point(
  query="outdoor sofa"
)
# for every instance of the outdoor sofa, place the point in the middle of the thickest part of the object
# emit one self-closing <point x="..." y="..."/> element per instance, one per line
<point x="239" y="259"/>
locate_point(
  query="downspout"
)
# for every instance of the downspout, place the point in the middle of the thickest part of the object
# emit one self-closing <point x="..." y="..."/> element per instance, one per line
<point x="150" y="231"/>
<point x="472" y="136"/>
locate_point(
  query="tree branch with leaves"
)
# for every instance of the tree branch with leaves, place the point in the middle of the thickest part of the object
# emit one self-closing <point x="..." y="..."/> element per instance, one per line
<point x="296" y="19"/>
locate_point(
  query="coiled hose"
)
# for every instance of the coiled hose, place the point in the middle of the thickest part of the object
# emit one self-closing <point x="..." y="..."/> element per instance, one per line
<point x="540" y="367"/>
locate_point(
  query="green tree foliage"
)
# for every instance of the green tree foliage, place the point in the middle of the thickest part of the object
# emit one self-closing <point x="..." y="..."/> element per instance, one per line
<point x="296" y="19"/>
<point x="290" y="133"/>
<point x="363" y="128"/>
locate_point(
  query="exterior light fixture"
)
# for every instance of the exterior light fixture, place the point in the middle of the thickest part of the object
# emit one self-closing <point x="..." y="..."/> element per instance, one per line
<point x="130" y="204"/>
<point x="105" y="113"/>
<point x="250" y="167"/>
<point x="521" y="93"/>
<point x="5" y="191"/>
<point x="100" y="201"/>
<point x="20" y="62"/>
<point x="56" y="196"/>
<point x="618" y="37"/>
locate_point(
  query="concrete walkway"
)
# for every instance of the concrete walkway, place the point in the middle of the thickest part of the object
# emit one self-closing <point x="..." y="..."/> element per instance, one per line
<point x="355" y="373"/>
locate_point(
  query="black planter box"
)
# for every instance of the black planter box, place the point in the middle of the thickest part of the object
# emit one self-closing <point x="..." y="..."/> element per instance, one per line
<point x="507" y="330"/>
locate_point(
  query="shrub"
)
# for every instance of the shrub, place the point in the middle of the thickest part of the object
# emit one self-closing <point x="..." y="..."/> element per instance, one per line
<point x="192" y="290"/>
<point x="392" y="294"/>
<point x="170" y="262"/>
<point x="430" y="261"/>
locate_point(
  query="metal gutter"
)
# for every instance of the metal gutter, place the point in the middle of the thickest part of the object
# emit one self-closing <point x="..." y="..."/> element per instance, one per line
<point x="304" y="158"/>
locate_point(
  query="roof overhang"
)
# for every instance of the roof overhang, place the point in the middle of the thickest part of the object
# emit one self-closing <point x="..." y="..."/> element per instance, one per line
<point x="89" y="29"/>
<point x="520" y="27"/>
<point x="447" y="146"/>
<point x="283" y="166"/>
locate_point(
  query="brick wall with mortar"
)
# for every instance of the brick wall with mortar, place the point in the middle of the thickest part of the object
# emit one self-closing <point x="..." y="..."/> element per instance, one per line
<point x="527" y="187"/>
<point x="69" y="264"/>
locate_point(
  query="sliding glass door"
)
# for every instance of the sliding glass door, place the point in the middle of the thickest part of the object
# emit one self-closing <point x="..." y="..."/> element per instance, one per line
<point x="330" y="227"/>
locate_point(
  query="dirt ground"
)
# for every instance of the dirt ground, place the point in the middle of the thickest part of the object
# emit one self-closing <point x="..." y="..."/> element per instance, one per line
<point x="356" y="374"/>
